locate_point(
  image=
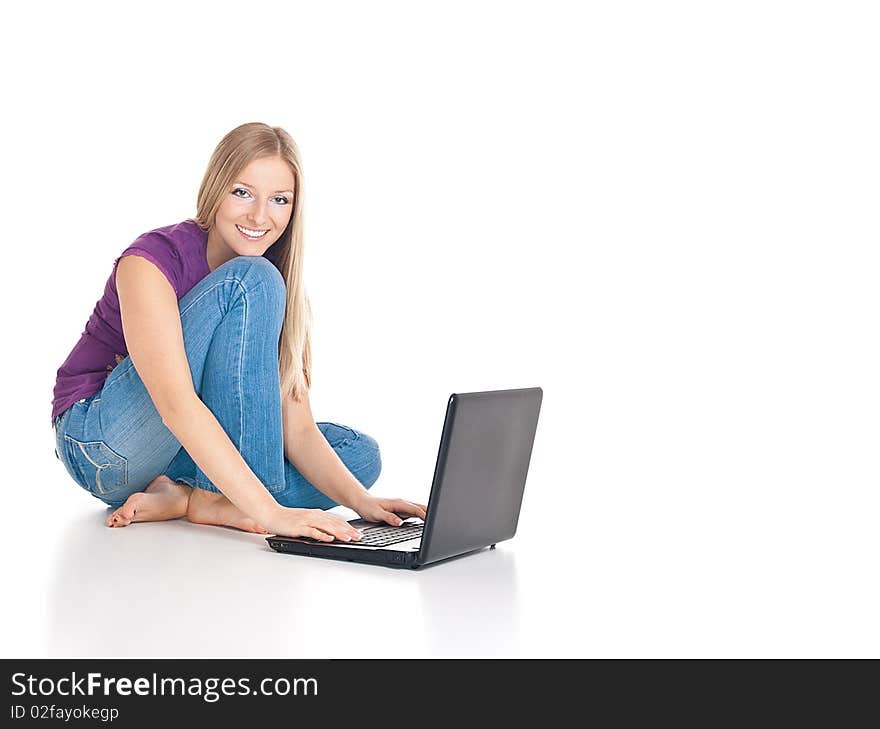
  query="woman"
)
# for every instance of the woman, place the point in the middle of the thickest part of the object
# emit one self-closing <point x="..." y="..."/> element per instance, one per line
<point x="187" y="394"/>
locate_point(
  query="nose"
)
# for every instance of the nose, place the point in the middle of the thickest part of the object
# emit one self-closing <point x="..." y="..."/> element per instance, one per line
<point x="258" y="214"/>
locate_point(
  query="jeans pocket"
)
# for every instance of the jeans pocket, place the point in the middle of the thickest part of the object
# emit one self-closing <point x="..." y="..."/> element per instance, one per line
<point x="101" y="470"/>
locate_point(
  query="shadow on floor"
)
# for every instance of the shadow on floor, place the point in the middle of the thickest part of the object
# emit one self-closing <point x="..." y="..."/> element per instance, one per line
<point x="178" y="589"/>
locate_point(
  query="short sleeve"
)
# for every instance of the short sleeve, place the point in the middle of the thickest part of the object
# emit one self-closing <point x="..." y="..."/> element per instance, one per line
<point x="162" y="252"/>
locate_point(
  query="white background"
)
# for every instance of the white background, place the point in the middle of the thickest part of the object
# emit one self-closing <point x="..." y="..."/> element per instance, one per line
<point x="664" y="214"/>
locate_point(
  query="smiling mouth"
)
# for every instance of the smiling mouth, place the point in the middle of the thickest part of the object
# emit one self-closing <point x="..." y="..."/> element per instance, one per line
<point x="249" y="233"/>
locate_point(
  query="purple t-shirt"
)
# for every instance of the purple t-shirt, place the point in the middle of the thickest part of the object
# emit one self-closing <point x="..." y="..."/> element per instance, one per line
<point x="180" y="252"/>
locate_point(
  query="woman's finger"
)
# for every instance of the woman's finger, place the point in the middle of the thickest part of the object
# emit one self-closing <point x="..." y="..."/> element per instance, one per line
<point x="339" y="528"/>
<point x="391" y="518"/>
<point x="408" y="507"/>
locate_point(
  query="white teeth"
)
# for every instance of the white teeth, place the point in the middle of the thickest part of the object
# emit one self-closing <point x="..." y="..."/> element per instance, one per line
<point x="252" y="233"/>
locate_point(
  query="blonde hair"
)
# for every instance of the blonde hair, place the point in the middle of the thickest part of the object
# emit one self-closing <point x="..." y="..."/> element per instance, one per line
<point x="236" y="151"/>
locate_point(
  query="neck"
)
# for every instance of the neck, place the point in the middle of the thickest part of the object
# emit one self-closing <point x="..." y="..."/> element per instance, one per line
<point x="216" y="251"/>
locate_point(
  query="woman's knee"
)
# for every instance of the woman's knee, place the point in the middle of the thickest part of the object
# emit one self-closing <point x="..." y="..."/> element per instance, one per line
<point x="262" y="284"/>
<point x="257" y="268"/>
<point x="372" y="460"/>
<point x="358" y="451"/>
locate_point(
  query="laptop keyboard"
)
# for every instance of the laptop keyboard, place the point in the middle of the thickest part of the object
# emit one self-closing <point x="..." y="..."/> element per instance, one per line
<point x="382" y="536"/>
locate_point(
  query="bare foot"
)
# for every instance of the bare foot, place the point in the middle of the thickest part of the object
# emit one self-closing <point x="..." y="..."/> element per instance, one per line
<point x="206" y="507"/>
<point x="162" y="499"/>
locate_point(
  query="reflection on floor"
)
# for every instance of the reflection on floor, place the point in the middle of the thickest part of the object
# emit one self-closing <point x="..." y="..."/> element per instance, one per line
<point x="179" y="589"/>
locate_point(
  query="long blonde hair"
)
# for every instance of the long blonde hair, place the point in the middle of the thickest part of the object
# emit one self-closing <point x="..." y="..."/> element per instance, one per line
<point x="236" y="151"/>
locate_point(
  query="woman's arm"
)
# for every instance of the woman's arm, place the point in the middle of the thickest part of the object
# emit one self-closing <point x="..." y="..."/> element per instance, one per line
<point x="199" y="432"/>
<point x="154" y="338"/>
<point x="310" y="453"/>
<point x="308" y="450"/>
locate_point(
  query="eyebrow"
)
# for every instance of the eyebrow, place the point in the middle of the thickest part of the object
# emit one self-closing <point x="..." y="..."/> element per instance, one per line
<point x="239" y="182"/>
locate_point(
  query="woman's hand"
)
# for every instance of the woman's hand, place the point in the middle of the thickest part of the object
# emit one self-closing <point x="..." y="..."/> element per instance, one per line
<point x="313" y="523"/>
<point x="372" y="508"/>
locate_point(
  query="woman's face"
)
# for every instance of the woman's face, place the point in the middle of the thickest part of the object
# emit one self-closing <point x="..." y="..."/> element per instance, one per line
<point x="260" y="201"/>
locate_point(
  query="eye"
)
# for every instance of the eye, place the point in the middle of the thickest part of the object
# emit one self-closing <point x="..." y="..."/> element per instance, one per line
<point x="284" y="199"/>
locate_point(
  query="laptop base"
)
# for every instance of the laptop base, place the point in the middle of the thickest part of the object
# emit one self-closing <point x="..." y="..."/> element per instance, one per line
<point x="386" y="557"/>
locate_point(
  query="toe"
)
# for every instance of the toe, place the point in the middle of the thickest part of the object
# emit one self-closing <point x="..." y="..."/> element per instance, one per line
<point x="124" y="514"/>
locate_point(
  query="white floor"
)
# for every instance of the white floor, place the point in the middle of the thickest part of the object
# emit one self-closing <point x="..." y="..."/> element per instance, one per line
<point x="628" y="571"/>
<point x="178" y="589"/>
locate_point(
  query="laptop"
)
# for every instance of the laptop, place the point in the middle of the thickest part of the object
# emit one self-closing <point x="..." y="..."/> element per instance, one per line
<point x="476" y="494"/>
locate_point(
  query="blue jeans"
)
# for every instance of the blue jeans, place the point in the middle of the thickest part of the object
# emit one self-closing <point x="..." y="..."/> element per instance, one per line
<point x="114" y="443"/>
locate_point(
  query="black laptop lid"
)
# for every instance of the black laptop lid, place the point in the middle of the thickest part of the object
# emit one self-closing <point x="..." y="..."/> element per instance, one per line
<point x="481" y="471"/>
